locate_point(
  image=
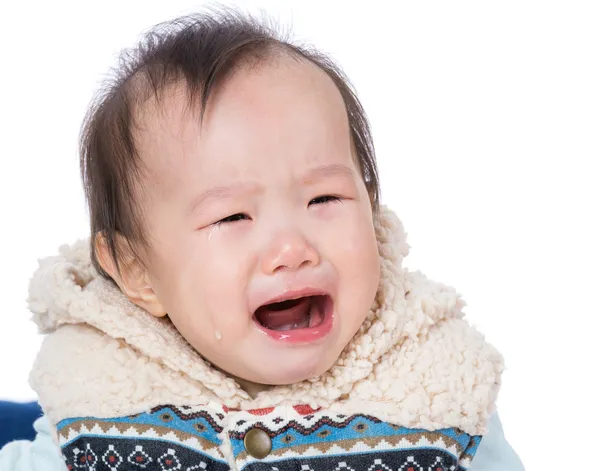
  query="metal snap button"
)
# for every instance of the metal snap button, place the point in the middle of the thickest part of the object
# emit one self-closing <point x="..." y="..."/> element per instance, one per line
<point x="257" y="443"/>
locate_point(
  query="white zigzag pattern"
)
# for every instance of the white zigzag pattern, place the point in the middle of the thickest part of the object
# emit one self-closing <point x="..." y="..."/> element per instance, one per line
<point x="288" y="413"/>
<point x="131" y="432"/>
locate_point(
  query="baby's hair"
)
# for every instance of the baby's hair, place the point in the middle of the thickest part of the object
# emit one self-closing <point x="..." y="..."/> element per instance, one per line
<point x="199" y="50"/>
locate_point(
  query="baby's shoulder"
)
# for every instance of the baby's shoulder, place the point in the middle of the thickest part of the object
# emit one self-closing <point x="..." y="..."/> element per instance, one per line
<point x="81" y="371"/>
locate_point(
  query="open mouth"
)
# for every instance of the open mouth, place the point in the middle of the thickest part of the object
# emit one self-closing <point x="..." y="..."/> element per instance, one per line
<point x="294" y="314"/>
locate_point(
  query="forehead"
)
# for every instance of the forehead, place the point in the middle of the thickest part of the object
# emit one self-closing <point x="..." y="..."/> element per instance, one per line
<point x="286" y="112"/>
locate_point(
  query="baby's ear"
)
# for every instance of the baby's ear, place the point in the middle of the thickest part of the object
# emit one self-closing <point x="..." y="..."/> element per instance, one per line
<point x="131" y="277"/>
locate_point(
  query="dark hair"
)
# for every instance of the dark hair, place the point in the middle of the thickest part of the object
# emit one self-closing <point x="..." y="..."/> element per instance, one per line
<point x="198" y="50"/>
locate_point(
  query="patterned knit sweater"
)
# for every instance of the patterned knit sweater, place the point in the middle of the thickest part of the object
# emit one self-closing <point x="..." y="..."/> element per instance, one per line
<point x="412" y="391"/>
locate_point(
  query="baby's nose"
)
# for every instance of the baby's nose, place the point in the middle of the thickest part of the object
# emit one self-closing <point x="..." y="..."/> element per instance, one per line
<point x="289" y="251"/>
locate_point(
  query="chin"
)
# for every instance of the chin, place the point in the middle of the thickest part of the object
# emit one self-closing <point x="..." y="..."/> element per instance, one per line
<point x="294" y="370"/>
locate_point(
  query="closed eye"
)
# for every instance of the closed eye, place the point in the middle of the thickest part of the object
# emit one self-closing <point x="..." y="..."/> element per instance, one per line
<point x="324" y="199"/>
<point x="233" y="218"/>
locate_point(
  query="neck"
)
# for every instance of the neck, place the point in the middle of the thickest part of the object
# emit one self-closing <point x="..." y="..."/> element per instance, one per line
<point x="251" y="388"/>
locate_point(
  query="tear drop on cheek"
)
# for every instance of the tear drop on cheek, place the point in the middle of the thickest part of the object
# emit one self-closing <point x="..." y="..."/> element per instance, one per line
<point x="218" y="335"/>
<point x="214" y="229"/>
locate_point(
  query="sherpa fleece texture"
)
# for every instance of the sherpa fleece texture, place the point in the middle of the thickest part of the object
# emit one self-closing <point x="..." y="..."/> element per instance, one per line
<point x="415" y="361"/>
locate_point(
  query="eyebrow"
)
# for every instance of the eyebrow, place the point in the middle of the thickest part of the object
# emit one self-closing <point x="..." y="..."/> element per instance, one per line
<point x="326" y="171"/>
<point x="219" y="193"/>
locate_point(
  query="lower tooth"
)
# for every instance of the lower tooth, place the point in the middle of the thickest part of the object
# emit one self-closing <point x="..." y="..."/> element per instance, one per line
<point x="286" y="327"/>
<point x="297" y="325"/>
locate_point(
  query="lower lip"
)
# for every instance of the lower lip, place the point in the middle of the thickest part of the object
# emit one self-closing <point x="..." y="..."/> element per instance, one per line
<point x="306" y="335"/>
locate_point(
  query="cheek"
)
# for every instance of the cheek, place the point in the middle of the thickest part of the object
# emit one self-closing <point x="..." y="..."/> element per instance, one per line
<point x="213" y="288"/>
<point x="202" y="284"/>
<point x="353" y="250"/>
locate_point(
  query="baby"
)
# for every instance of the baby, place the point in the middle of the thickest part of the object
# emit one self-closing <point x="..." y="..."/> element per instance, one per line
<point x="242" y="303"/>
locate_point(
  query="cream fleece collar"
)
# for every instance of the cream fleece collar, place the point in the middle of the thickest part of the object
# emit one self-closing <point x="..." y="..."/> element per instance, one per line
<point x="415" y="361"/>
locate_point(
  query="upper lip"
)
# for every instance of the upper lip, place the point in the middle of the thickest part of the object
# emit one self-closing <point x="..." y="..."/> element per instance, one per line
<point x="292" y="294"/>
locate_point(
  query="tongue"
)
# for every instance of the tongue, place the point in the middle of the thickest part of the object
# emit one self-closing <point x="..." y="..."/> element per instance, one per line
<point x="278" y="317"/>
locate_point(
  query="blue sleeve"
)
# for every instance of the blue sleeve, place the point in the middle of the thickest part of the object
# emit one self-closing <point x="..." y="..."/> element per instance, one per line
<point x="41" y="454"/>
<point x="494" y="452"/>
<point x="16" y="420"/>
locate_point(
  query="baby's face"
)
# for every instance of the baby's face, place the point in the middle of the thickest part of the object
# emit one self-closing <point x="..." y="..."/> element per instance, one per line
<point x="263" y="247"/>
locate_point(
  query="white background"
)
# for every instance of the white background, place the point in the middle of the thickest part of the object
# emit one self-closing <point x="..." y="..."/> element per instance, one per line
<point x="486" y="117"/>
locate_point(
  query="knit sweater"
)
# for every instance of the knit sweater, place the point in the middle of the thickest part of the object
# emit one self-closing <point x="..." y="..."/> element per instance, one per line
<point x="415" y="387"/>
